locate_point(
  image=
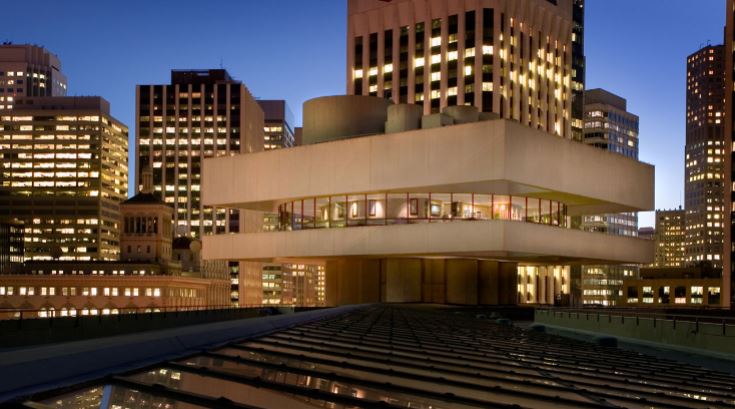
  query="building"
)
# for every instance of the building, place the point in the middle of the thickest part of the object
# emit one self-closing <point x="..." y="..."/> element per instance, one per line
<point x="64" y="172"/>
<point x="705" y="150"/>
<point x="200" y="114"/>
<point x="648" y="233"/>
<point x="418" y="215"/>
<point x="511" y="58"/>
<point x="28" y="71"/>
<point x="609" y="126"/>
<point x="729" y="266"/>
<point x="670" y="238"/>
<point x="279" y="124"/>
<point x="682" y="287"/>
<point x="12" y="241"/>
<point x="579" y="70"/>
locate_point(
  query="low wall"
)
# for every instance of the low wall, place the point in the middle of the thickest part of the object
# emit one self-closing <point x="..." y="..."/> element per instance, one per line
<point x="709" y="336"/>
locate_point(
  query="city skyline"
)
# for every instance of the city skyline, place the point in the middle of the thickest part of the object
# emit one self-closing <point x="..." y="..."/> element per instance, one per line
<point x="616" y="59"/>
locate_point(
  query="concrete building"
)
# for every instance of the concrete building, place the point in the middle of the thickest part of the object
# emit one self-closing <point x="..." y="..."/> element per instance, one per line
<point x="648" y="233"/>
<point x="279" y="124"/>
<point x="579" y="70"/>
<point x="729" y="247"/>
<point x="682" y="287"/>
<point x="705" y="151"/>
<point x="609" y="126"/>
<point x="28" y="71"/>
<point x="512" y="58"/>
<point x="200" y="114"/>
<point x="670" y="238"/>
<point x="12" y="242"/>
<point x="64" y="172"/>
<point x="448" y="214"/>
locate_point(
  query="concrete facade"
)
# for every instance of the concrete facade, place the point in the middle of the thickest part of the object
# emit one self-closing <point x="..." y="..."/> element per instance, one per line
<point x="465" y="244"/>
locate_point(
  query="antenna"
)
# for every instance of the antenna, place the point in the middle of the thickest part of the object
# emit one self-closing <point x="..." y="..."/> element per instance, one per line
<point x="221" y="63"/>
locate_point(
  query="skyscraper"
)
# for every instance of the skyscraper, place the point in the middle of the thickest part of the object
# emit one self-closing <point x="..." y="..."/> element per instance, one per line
<point x="279" y="124"/>
<point x="512" y="58"/>
<point x="63" y="162"/>
<point x="200" y="114"/>
<point x="28" y="70"/>
<point x="705" y="156"/>
<point x="609" y="126"/>
<point x="730" y="138"/>
<point x="579" y="70"/>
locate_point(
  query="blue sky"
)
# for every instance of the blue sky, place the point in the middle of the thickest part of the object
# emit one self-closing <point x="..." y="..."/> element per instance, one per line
<point x="295" y="50"/>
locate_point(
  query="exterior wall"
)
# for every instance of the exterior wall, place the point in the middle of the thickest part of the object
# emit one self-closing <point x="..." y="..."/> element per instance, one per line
<point x="28" y="70"/>
<point x="12" y="242"/>
<point x="482" y="157"/>
<point x="146" y="232"/>
<point x="93" y="295"/>
<point x="704" y="188"/>
<point x="63" y="162"/>
<point x="673" y="292"/>
<point x="729" y="248"/>
<point x="175" y="118"/>
<point x="670" y="238"/>
<point x="441" y="54"/>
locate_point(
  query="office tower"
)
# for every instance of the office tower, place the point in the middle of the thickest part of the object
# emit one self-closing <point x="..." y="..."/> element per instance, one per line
<point x="200" y="114"/>
<point x="670" y="238"/>
<point x="512" y="58"/>
<point x="705" y="156"/>
<point x="579" y="69"/>
<point x="28" y="70"/>
<point x="396" y="227"/>
<point x="12" y="241"/>
<point x="64" y="173"/>
<point x="279" y="124"/>
<point x="729" y="248"/>
<point x="609" y="126"/>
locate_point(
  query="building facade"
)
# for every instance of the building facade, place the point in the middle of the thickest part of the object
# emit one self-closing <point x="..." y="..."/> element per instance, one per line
<point x="670" y="238"/>
<point x="579" y="70"/>
<point x="608" y="126"/>
<point x="279" y="124"/>
<point x="704" y="183"/>
<point x="392" y="223"/>
<point x="12" y="242"/>
<point x="28" y="71"/>
<point x="512" y="58"/>
<point x="675" y="287"/>
<point x="729" y="246"/>
<point x="64" y="173"/>
<point x="200" y="114"/>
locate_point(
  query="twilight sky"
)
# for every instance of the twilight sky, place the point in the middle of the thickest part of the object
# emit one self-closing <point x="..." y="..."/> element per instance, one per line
<point x="295" y="50"/>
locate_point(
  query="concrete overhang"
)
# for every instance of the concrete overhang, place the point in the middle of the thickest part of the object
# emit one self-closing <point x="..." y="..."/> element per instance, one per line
<point x="497" y="156"/>
<point x="492" y="239"/>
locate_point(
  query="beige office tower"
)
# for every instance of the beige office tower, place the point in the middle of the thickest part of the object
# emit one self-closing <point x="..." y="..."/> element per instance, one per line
<point x="512" y="58"/>
<point x="200" y="114"/>
<point x="64" y="172"/>
<point x="670" y="238"/>
<point x="28" y="70"/>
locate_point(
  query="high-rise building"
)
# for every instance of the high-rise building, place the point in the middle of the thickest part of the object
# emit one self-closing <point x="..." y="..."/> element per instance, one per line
<point x="670" y="238"/>
<point x="279" y="124"/>
<point x="609" y="126"/>
<point x="28" y="71"/>
<point x="729" y="246"/>
<point x="200" y="114"/>
<point x="512" y="58"/>
<point x="63" y="162"/>
<point x="705" y="156"/>
<point x="579" y="70"/>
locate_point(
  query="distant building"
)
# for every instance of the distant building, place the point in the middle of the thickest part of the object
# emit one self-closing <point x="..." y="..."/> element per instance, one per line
<point x="704" y="183"/>
<point x="609" y="126"/>
<point x="200" y="114"/>
<point x="28" y="71"/>
<point x="12" y="241"/>
<point x="279" y="124"/>
<point x="647" y="233"/>
<point x="729" y="246"/>
<point x="579" y="70"/>
<point x="64" y="172"/>
<point x="670" y="238"/>
<point x="683" y="287"/>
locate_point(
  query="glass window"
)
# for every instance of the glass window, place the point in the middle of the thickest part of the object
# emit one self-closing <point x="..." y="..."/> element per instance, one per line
<point x="356" y="212"/>
<point x="518" y="208"/>
<point x="501" y="207"/>
<point x="339" y="211"/>
<point x="322" y="212"/>
<point x="441" y="206"/>
<point x="376" y="209"/>
<point x="462" y="206"/>
<point x="482" y="207"/>
<point x="713" y="295"/>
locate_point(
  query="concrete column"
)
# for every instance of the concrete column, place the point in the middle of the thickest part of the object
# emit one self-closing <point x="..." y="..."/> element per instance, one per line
<point x="434" y="281"/>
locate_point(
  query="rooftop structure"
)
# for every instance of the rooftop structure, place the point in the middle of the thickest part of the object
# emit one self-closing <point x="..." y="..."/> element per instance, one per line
<point x="28" y="71"/>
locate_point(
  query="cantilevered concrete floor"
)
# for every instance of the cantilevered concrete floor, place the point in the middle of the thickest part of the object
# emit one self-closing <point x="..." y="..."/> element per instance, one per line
<point x="407" y="356"/>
